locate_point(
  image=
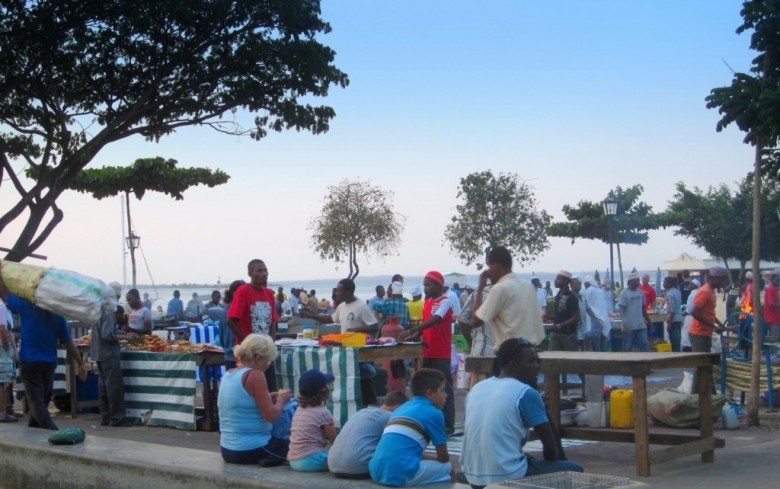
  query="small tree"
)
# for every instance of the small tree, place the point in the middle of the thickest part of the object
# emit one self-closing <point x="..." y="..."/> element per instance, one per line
<point x="146" y="174"/>
<point x="497" y="210"/>
<point x="586" y="220"/>
<point x="356" y="218"/>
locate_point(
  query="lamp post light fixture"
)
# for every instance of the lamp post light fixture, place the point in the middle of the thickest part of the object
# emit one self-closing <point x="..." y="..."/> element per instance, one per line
<point x="610" y="209"/>
<point x="133" y="242"/>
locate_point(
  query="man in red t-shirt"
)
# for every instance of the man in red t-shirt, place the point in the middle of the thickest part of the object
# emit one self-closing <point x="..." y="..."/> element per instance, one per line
<point x="436" y="330"/>
<point x="649" y="292"/>
<point x="253" y="311"/>
<point x="772" y="307"/>
<point x="704" y="320"/>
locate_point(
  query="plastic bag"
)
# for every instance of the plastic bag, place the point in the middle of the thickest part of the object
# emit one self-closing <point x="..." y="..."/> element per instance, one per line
<point x="74" y="296"/>
<point x="68" y="436"/>
<point x="21" y="279"/>
<point x="678" y="410"/>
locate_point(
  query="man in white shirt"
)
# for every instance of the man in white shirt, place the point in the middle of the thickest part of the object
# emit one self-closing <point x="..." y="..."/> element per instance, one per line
<point x="354" y="316"/>
<point x="511" y="308"/>
<point x="454" y="299"/>
<point x="597" y="308"/>
<point x="541" y="294"/>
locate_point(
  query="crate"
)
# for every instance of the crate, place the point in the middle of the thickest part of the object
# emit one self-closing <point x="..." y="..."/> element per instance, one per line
<point x="568" y="480"/>
<point x="354" y="339"/>
<point x="663" y="347"/>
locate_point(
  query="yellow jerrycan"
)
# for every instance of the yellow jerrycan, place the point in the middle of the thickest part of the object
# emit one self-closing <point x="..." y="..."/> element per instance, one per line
<point x="621" y="409"/>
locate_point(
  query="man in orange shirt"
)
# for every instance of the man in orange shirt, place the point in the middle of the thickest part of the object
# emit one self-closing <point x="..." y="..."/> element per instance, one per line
<point x="704" y="320"/>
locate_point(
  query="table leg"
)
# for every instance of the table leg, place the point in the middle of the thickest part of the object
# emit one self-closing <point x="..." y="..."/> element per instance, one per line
<point x="209" y="375"/>
<point x="554" y="392"/>
<point x="704" y="375"/>
<point x="641" y="432"/>
<point x="74" y="401"/>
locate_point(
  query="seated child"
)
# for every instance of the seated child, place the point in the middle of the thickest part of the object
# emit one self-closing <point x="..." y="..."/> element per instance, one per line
<point x="400" y="459"/>
<point x="312" y="424"/>
<point x="349" y="456"/>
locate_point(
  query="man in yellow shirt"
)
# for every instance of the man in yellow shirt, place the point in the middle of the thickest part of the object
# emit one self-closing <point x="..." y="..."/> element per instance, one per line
<point x="415" y="306"/>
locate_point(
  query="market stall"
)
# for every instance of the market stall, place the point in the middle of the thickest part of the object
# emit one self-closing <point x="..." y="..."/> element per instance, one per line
<point x="343" y="363"/>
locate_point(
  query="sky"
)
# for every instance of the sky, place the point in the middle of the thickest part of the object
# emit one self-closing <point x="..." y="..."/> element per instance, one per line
<point x="574" y="97"/>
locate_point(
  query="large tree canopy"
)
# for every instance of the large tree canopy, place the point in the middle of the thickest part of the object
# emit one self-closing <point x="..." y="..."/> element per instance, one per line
<point x="720" y="220"/>
<point x="496" y="210"/>
<point x="76" y="76"/>
<point x="356" y="218"/>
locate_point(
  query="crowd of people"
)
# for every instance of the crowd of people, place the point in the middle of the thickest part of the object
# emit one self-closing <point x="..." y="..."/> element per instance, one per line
<point x="503" y="316"/>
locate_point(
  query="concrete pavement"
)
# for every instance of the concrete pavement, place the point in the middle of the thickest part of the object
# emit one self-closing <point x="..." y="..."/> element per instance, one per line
<point x="162" y="457"/>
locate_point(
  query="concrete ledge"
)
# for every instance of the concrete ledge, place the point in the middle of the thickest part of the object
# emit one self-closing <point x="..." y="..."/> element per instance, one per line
<point x="29" y="461"/>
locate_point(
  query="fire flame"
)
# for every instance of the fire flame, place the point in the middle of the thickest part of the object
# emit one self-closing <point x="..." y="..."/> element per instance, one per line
<point x="748" y="308"/>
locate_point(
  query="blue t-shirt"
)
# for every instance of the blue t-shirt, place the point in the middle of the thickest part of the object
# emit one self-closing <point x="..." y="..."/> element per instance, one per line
<point x="499" y="414"/>
<point x="400" y="450"/>
<point x="41" y="331"/>
<point x="176" y="308"/>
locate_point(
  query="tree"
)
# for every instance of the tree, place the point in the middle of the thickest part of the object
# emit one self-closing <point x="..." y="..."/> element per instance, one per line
<point x="356" y="218"/>
<point x="76" y="76"/>
<point x="752" y="102"/>
<point x="145" y="174"/>
<point x="720" y="220"/>
<point x="587" y="220"/>
<point x="496" y="210"/>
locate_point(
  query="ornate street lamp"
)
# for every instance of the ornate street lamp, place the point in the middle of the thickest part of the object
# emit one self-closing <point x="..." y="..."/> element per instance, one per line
<point x="133" y="242"/>
<point x="610" y="209"/>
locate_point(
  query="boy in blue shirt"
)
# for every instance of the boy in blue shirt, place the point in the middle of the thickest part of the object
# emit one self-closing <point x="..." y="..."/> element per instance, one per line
<point x="399" y="459"/>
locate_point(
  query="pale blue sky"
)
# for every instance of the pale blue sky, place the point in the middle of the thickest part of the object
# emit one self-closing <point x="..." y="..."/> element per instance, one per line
<point x="575" y="97"/>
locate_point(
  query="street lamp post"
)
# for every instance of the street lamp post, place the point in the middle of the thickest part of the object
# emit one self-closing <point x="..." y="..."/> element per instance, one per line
<point x="610" y="209"/>
<point x="133" y="242"/>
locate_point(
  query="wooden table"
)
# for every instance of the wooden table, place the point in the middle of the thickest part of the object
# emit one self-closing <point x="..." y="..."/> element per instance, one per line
<point x="638" y="366"/>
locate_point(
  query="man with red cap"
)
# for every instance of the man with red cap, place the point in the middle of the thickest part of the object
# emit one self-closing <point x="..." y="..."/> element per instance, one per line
<point x="436" y="331"/>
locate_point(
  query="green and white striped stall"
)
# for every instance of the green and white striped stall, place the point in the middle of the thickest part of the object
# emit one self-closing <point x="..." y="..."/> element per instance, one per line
<point x="345" y="398"/>
<point x="160" y="388"/>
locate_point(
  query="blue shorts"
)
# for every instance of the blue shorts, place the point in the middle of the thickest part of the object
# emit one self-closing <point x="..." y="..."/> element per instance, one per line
<point x="313" y="463"/>
<point x="431" y="471"/>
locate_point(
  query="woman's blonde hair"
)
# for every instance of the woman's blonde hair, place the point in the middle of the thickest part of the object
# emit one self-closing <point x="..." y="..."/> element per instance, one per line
<point x="256" y="346"/>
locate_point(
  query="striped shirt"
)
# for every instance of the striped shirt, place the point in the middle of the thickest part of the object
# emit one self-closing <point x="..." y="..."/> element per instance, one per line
<point x="307" y="437"/>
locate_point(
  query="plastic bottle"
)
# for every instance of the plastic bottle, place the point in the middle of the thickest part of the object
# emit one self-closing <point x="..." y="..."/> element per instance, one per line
<point x="730" y="420"/>
<point x="621" y="409"/>
<point x="308" y="332"/>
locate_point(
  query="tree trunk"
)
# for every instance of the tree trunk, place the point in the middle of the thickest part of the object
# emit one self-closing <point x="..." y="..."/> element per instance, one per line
<point x="753" y="419"/>
<point x="27" y="241"/>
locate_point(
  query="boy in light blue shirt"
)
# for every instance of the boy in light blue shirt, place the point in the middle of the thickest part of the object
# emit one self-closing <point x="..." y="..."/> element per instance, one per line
<point x="399" y="459"/>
